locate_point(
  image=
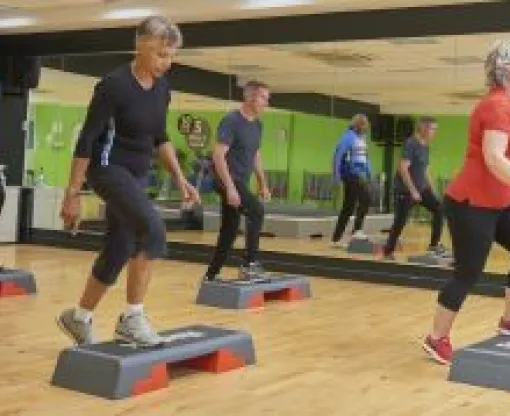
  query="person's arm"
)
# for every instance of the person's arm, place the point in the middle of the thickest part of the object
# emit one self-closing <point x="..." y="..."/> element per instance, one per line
<point x="259" y="170"/>
<point x="403" y="169"/>
<point x="98" y="115"/>
<point x="166" y="151"/>
<point x="342" y="148"/>
<point x="167" y="155"/>
<point x="225" y="139"/>
<point x="494" y="147"/>
<point x="220" y="165"/>
<point x="261" y="177"/>
<point x="429" y="178"/>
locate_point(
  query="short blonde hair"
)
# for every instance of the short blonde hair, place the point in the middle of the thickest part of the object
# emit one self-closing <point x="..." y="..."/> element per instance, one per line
<point x="497" y="63"/>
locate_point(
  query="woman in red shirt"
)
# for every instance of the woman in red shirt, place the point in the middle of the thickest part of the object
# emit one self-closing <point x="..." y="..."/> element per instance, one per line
<point x="477" y="203"/>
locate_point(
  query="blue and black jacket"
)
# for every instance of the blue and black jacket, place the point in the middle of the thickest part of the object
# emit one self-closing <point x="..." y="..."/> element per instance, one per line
<point x="351" y="157"/>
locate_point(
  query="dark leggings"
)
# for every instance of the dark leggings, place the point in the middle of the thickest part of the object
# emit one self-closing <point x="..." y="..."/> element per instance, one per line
<point x="473" y="230"/>
<point x="403" y="206"/>
<point x="355" y="192"/>
<point x="133" y="224"/>
<point x="253" y="209"/>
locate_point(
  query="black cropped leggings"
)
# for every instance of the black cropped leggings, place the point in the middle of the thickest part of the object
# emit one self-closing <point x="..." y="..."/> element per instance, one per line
<point x="133" y="224"/>
<point x="473" y="231"/>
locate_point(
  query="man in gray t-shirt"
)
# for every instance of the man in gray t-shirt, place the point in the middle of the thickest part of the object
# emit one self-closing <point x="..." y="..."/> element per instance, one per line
<point x="236" y="156"/>
<point x="415" y="153"/>
<point x="413" y="185"/>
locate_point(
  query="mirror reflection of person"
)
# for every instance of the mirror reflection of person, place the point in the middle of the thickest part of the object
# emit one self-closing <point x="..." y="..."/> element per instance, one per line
<point x="236" y="156"/>
<point x="351" y="166"/>
<point x="413" y="186"/>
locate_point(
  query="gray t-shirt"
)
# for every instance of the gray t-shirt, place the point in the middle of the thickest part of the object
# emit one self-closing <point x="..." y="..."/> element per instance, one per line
<point x="418" y="154"/>
<point x="244" y="139"/>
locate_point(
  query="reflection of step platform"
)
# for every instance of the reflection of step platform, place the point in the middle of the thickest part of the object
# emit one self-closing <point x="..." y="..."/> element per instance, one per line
<point x="362" y="246"/>
<point x="245" y="294"/>
<point x="116" y="371"/>
<point x="485" y="364"/>
<point x="16" y="282"/>
<point x="429" y="259"/>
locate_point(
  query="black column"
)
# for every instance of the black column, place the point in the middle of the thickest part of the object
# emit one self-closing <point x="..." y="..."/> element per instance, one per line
<point x="13" y="115"/>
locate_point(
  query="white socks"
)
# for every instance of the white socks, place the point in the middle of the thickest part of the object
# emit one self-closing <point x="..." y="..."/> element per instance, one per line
<point x="133" y="309"/>
<point x="82" y="315"/>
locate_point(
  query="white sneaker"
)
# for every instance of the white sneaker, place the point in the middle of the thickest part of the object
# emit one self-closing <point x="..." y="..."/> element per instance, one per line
<point x="359" y="235"/>
<point x="136" y="329"/>
<point x="80" y="332"/>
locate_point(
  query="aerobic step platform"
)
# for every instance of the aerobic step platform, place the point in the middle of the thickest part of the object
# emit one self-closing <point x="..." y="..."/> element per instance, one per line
<point x="363" y="246"/>
<point x="16" y="282"/>
<point x="246" y="294"/>
<point x="485" y="364"/>
<point x="117" y="371"/>
<point x="429" y="259"/>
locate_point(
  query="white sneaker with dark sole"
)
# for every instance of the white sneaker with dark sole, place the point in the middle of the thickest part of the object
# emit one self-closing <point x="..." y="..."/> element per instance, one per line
<point x="80" y="332"/>
<point x="136" y="330"/>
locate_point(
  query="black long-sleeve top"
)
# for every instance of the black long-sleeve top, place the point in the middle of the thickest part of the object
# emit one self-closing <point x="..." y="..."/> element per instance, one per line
<point x="124" y="122"/>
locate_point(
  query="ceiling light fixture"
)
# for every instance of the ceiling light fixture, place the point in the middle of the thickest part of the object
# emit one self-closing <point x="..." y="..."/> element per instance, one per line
<point x="11" y="22"/>
<point x="266" y="4"/>
<point x="120" y="14"/>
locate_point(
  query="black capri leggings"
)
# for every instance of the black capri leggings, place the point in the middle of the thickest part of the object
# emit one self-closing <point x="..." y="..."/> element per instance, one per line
<point x="473" y="230"/>
<point x="133" y="224"/>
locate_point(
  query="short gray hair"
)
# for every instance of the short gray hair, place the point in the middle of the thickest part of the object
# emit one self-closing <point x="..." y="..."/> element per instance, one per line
<point x="160" y="26"/>
<point x="497" y="63"/>
<point x="358" y="119"/>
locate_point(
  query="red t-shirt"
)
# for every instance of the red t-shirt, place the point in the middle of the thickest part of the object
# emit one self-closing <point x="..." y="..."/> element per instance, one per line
<point x="475" y="183"/>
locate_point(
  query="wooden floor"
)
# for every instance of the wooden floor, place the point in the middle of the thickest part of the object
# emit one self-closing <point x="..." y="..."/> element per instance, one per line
<point x="415" y="240"/>
<point x="351" y="350"/>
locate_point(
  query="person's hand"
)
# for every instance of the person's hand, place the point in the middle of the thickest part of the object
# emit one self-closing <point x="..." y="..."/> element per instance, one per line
<point x="70" y="211"/>
<point x="233" y="198"/>
<point x="265" y="193"/>
<point x="190" y="195"/>
<point x="415" y="195"/>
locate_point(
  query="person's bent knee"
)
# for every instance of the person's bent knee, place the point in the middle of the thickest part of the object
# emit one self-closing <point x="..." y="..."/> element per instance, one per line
<point x="156" y="239"/>
<point x="454" y="293"/>
<point x="105" y="275"/>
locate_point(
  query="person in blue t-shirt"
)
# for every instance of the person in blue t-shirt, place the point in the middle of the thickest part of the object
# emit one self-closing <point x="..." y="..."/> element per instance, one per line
<point x="351" y="166"/>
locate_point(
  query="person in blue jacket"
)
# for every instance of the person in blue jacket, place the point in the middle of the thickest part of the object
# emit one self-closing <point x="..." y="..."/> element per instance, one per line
<point x="352" y="167"/>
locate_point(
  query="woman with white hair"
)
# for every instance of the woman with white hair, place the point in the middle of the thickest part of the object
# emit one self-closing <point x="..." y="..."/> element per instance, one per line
<point x="125" y="124"/>
<point x="477" y="203"/>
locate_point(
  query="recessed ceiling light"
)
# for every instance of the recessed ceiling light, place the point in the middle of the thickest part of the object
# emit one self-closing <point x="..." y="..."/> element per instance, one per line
<point x="128" y="13"/>
<point x="10" y="22"/>
<point x="265" y="4"/>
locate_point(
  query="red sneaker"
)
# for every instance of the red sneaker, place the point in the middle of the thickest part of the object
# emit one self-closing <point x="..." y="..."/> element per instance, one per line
<point x="504" y="327"/>
<point x="439" y="349"/>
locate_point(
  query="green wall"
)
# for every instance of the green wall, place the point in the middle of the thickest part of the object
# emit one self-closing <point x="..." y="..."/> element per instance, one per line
<point x="309" y="144"/>
<point x="448" y="149"/>
<point x="56" y="129"/>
